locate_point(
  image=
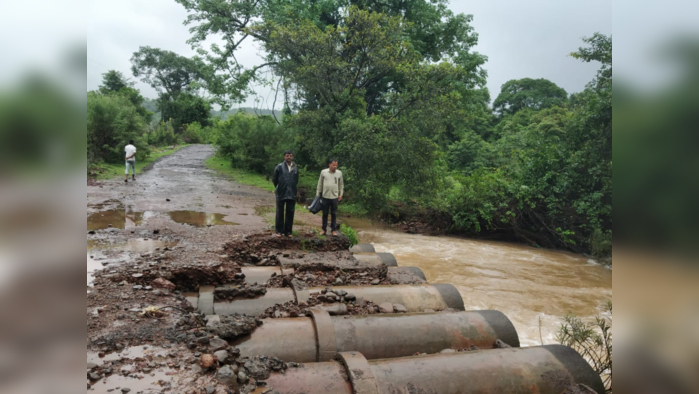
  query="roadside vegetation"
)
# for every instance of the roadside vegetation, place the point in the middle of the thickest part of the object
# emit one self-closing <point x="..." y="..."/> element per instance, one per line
<point x="406" y="113"/>
<point x="413" y="127"/>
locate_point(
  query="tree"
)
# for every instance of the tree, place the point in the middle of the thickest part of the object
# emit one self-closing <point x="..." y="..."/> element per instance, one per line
<point x="168" y="72"/>
<point x="112" y="120"/>
<point x="114" y="82"/>
<point x="536" y="94"/>
<point x="431" y="29"/>
<point x="186" y="109"/>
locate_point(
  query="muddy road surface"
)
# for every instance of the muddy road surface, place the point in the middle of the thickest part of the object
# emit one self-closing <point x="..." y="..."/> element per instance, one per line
<point x="142" y="334"/>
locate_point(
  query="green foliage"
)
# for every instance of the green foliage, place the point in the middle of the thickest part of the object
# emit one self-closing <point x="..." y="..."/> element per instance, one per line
<point x="536" y="94"/>
<point x="551" y="185"/>
<point x="114" y="82"/>
<point x="193" y="134"/>
<point x="251" y="143"/>
<point x="469" y="153"/>
<point x="394" y="91"/>
<point x="168" y="72"/>
<point x="593" y="341"/>
<point x="112" y="120"/>
<point x="350" y="233"/>
<point x="187" y="108"/>
<point x="163" y="135"/>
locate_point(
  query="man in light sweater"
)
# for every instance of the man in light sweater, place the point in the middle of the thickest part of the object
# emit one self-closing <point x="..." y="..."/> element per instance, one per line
<point x="330" y="189"/>
<point x="130" y="161"/>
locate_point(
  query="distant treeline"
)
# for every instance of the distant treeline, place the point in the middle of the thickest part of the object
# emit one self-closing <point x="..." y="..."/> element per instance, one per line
<point x="152" y="106"/>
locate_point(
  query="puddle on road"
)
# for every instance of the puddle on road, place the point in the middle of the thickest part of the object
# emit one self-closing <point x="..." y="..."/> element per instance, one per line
<point x="144" y="383"/>
<point x="115" y="218"/>
<point x="199" y="219"/>
<point x="92" y="265"/>
<point x="122" y="219"/>
<point x="147" y="245"/>
<point x="137" y="245"/>
<point x="131" y="353"/>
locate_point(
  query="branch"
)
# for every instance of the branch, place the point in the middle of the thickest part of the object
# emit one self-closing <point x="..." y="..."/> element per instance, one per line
<point x="275" y="102"/>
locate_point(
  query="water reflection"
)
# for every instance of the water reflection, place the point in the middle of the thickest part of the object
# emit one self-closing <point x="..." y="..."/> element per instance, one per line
<point x="199" y="219"/>
<point x="114" y="218"/>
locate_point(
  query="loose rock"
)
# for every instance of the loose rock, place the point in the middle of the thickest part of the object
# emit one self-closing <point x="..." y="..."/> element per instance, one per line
<point x="386" y="307"/>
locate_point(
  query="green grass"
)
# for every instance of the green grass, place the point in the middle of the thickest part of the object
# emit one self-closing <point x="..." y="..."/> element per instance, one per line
<point x="105" y="171"/>
<point x="353" y="209"/>
<point x="223" y="166"/>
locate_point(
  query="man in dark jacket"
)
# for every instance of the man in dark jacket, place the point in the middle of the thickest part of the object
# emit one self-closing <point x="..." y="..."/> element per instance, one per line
<point x="285" y="179"/>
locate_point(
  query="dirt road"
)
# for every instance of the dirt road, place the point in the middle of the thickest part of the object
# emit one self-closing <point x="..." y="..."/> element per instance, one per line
<point x="176" y="215"/>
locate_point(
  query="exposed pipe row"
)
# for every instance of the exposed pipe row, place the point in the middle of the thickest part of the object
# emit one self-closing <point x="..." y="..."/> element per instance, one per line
<point x="416" y="298"/>
<point x="550" y="369"/>
<point x="262" y="274"/>
<point x="321" y="337"/>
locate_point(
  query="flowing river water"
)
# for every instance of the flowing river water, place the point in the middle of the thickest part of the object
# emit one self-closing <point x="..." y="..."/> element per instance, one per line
<point x="533" y="287"/>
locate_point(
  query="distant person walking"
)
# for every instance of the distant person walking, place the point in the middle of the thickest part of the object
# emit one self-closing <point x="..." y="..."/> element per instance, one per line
<point x="285" y="179"/>
<point x="130" y="150"/>
<point x="330" y="189"/>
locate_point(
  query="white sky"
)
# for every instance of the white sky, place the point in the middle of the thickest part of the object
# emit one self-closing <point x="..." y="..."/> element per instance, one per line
<point x="521" y="38"/>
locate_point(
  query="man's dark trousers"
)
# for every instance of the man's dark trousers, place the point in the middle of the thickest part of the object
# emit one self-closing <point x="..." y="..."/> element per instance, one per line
<point x="284" y="223"/>
<point x="330" y="205"/>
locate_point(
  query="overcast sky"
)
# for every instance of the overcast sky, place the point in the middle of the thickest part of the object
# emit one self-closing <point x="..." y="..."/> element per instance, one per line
<point x="521" y="38"/>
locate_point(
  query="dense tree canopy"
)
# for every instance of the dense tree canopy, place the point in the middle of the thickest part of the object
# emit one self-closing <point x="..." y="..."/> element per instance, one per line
<point x="518" y="94"/>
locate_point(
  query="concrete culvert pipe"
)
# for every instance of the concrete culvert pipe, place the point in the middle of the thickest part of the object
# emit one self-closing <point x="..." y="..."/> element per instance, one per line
<point x="550" y="369"/>
<point x="261" y="275"/>
<point x="363" y="248"/>
<point x="386" y="259"/>
<point x="319" y="338"/>
<point x="416" y="298"/>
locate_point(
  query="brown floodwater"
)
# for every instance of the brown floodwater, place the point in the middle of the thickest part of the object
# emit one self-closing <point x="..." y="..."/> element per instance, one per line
<point x="525" y="283"/>
<point x="199" y="219"/>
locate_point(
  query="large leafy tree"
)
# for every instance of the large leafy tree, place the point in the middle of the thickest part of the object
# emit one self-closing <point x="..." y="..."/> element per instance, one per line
<point x="536" y="94"/>
<point x="168" y="72"/>
<point x="114" y="82"/>
<point x="187" y="109"/>
<point x="178" y="79"/>
<point x="431" y="30"/>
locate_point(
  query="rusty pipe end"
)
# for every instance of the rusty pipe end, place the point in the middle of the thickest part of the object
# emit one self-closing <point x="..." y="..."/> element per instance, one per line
<point x="388" y="259"/>
<point x="578" y="368"/>
<point x="503" y="327"/>
<point x="363" y="248"/>
<point x="451" y="296"/>
<point x="415" y="271"/>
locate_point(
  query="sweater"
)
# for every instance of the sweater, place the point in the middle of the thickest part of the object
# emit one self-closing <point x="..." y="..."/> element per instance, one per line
<point x="330" y="184"/>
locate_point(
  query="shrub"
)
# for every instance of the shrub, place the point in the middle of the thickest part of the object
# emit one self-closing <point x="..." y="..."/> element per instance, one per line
<point x="592" y="340"/>
<point x="112" y="120"/>
<point x="349" y="233"/>
<point x="163" y="135"/>
<point x="251" y="143"/>
<point x="193" y="133"/>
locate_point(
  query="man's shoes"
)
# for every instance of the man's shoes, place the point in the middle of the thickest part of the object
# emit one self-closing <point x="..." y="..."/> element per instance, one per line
<point x="334" y="233"/>
<point x="323" y="233"/>
<point x="290" y="236"/>
<point x="133" y="179"/>
<point x="126" y="180"/>
<point x="278" y="235"/>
